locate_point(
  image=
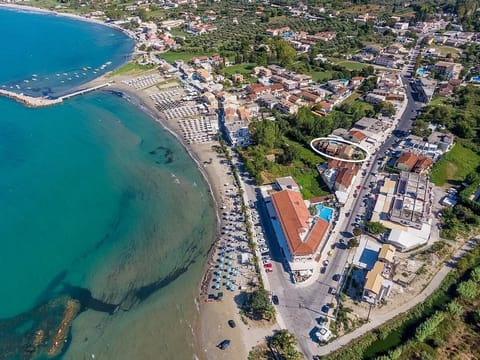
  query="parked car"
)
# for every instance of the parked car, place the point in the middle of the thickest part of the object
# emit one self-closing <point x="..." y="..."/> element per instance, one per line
<point x="224" y="344"/>
<point x="326" y="262"/>
<point x="268" y="265"/>
<point x="275" y="299"/>
<point x="332" y="291"/>
<point x="231" y="323"/>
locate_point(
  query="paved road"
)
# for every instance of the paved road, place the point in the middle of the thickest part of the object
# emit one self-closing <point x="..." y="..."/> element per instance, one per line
<point x="300" y="307"/>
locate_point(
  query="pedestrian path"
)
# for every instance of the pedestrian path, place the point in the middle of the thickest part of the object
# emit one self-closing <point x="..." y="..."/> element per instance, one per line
<point x="383" y="318"/>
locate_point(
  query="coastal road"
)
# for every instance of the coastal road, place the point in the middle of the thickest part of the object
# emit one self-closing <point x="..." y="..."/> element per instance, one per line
<point x="301" y="307"/>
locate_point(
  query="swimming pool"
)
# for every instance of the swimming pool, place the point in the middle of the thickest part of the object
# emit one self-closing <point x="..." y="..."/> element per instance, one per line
<point x="421" y="71"/>
<point x="476" y="79"/>
<point x="325" y="213"/>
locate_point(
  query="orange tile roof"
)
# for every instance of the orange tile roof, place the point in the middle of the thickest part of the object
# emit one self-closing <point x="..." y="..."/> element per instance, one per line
<point x="423" y="163"/>
<point x="358" y="135"/>
<point x="257" y="88"/>
<point x="309" y="96"/>
<point x="408" y="159"/>
<point x="294" y="216"/>
<point x="338" y="164"/>
<point x="325" y="105"/>
<point x="276" y="86"/>
<point x="345" y="177"/>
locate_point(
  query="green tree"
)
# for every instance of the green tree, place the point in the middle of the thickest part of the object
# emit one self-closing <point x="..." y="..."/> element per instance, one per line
<point x="353" y="243"/>
<point x="285" y="53"/>
<point x="285" y="344"/>
<point x="375" y="227"/>
<point x="467" y="289"/>
<point x="259" y="306"/>
<point x="476" y="274"/>
<point x="429" y="326"/>
<point x="454" y="308"/>
<point x="357" y="231"/>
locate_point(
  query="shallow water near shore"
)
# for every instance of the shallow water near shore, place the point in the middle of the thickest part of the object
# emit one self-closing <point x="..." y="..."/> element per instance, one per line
<point x="47" y="55"/>
<point x="103" y="205"/>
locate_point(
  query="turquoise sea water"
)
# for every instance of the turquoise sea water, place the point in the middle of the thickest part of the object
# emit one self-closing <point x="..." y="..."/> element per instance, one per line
<point x="45" y="54"/>
<point x="96" y="196"/>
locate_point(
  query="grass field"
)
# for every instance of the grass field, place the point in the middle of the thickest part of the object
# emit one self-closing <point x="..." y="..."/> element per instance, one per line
<point x="321" y="75"/>
<point x="455" y="165"/>
<point x="438" y="100"/>
<point x="303" y="171"/>
<point x="244" y="69"/>
<point x="444" y="50"/>
<point x="348" y="64"/>
<point x="171" y="56"/>
<point x="352" y="98"/>
<point x="131" y="68"/>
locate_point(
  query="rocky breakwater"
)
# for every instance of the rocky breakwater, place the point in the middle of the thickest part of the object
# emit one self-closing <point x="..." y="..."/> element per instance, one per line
<point x="30" y="101"/>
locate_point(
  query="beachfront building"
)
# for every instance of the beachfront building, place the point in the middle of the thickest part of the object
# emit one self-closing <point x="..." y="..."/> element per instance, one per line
<point x="298" y="232"/>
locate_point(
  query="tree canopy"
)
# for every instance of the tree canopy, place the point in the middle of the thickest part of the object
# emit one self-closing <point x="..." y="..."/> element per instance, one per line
<point x="259" y="305"/>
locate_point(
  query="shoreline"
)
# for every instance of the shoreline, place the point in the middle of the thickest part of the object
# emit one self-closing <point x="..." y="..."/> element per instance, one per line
<point x="37" y="10"/>
<point x="39" y="101"/>
<point x="208" y="317"/>
<point x="138" y="99"/>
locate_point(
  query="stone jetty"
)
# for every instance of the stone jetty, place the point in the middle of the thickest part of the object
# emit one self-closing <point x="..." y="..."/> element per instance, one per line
<point x="30" y="101"/>
<point x="34" y="102"/>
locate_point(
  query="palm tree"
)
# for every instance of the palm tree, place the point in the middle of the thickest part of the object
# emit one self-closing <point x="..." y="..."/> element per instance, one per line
<point x="284" y="343"/>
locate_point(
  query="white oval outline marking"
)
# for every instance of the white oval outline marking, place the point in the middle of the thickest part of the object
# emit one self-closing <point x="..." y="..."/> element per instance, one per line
<point x="339" y="139"/>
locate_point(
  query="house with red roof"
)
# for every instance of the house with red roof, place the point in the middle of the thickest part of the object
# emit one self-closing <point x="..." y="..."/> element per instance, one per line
<point x="325" y="107"/>
<point x="356" y="136"/>
<point x="407" y="161"/>
<point x="298" y="232"/>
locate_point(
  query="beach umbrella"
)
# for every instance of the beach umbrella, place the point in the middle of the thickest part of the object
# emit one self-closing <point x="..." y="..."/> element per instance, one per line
<point x="227" y="276"/>
<point x="220" y="266"/>
<point x="217" y="286"/>
<point x="232" y="287"/>
<point x="229" y="263"/>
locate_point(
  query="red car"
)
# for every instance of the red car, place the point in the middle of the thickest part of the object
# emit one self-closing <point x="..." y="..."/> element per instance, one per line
<point x="268" y="265"/>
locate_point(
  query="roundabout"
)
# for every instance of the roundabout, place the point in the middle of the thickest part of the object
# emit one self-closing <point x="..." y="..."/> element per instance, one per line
<point x="349" y="150"/>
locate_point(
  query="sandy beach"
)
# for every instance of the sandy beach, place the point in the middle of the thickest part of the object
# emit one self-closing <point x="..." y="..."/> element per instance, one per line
<point x="211" y="324"/>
